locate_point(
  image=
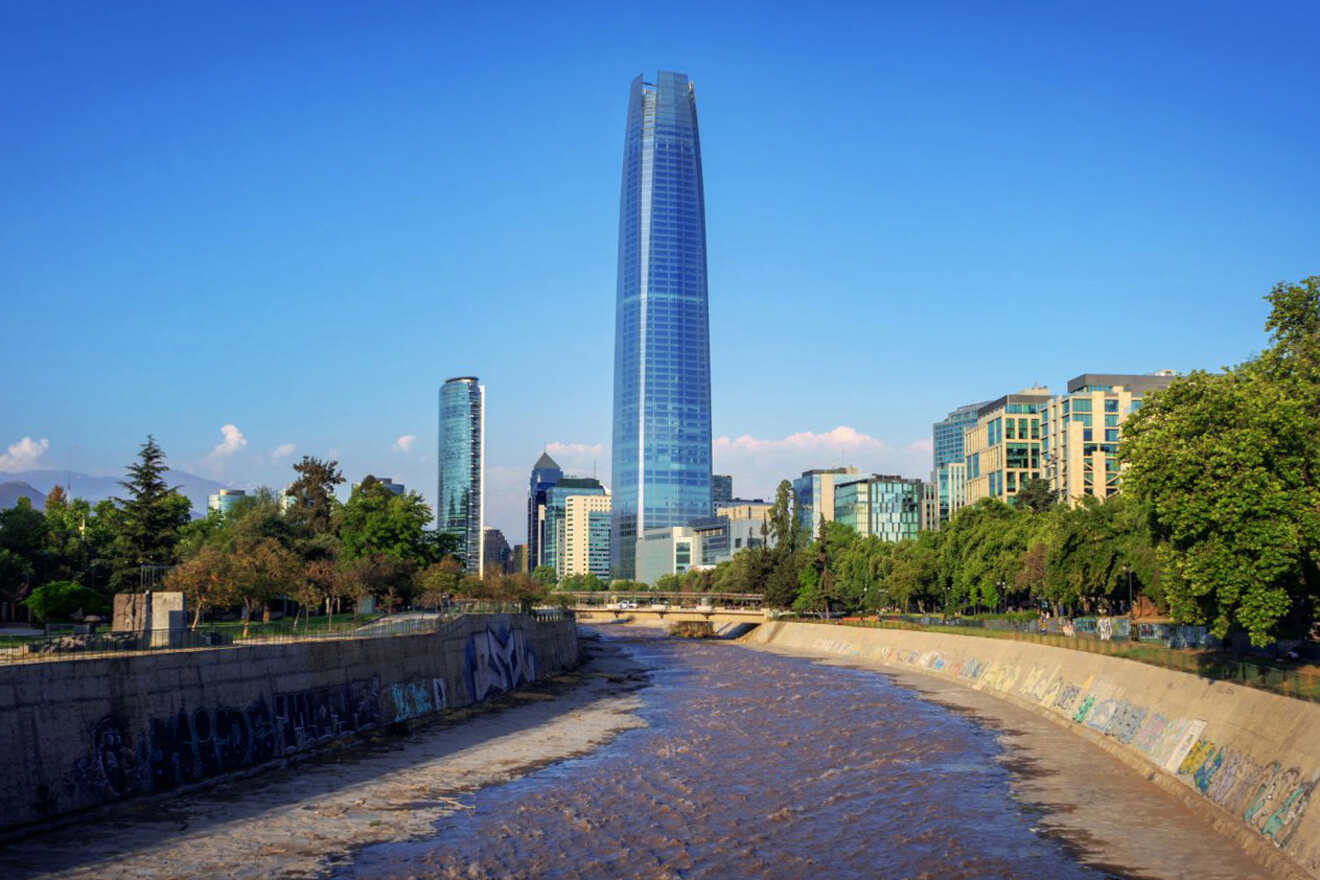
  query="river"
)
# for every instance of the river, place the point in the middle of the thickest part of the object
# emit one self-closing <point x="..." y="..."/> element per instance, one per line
<point x="664" y="758"/>
<point x="759" y="765"/>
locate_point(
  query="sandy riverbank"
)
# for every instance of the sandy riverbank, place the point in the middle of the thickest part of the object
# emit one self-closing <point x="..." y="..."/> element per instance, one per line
<point x="294" y="821"/>
<point x="1110" y="816"/>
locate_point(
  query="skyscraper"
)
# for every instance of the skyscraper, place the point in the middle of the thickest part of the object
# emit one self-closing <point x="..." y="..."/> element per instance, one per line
<point x="460" y="496"/>
<point x="545" y="474"/>
<point x="661" y="454"/>
<point x="949" y="473"/>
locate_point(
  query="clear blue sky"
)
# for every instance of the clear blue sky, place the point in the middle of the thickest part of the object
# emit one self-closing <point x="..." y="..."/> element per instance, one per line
<point x="299" y="219"/>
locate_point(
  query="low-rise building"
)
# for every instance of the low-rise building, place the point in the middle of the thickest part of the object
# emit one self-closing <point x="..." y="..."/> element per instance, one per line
<point x="885" y="505"/>
<point x="813" y="495"/>
<point x="666" y="550"/>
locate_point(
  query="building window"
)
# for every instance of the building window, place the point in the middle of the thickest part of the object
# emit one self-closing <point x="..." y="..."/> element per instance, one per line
<point x="1111" y="405"/>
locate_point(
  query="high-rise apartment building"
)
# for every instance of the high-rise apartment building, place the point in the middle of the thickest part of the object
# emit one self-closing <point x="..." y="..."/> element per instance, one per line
<point x="1002" y="449"/>
<point x="460" y="497"/>
<point x="586" y="541"/>
<point x="1081" y="430"/>
<point x="661" y="451"/>
<point x="545" y="474"/>
<point x="223" y="501"/>
<point x="554" y="529"/>
<point x="813" y="496"/>
<point x="948" y="472"/>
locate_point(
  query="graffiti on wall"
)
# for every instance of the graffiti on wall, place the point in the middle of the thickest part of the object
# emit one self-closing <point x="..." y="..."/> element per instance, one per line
<point x="195" y="744"/>
<point x="419" y="697"/>
<point x="1269" y="799"/>
<point x="498" y="661"/>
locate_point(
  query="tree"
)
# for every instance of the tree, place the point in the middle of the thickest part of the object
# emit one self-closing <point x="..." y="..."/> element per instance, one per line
<point x="668" y="583"/>
<point x="1035" y="495"/>
<point x="205" y="579"/>
<point x="784" y="529"/>
<point x="149" y="519"/>
<point x="62" y="600"/>
<point x="440" y="581"/>
<point x="312" y="494"/>
<point x="545" y="576"/>
<point x="375" y="521"/>
<point x="1228" y="467"/>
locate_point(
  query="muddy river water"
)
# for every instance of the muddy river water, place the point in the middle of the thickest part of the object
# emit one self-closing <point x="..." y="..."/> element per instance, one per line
<point x="664" y="758"/>
<point x="759" y="765"/>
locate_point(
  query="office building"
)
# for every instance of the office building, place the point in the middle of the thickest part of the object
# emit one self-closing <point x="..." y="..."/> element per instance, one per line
<point x="661" y="438"/>
<point x="545" y="474"/>
<point x="586" y="537"/>
<point x="721" y="489"/>
<point x="666" y="550"/>
<point x="1081" y="431"/>
<point x="884" y="505"/>
<point x="948" y="471"/>
<point x="460" y="496"/>
<point x="223" y="501"/>
<point x="556" y="509"/>
<point x="1003" y="448"/>
<point x="520" y="559"/>
<point x="813" y="496"/>
<point x="497" y="555"/>
<point x="384" y="482"/>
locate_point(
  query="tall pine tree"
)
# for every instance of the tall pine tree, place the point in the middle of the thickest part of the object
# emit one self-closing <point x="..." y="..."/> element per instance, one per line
<point x="149" y="519"/>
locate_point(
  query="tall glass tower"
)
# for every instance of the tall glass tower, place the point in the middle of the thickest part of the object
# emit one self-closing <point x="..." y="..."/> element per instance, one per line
<point x="460" y="499"/>
<point x="661" y="466"/>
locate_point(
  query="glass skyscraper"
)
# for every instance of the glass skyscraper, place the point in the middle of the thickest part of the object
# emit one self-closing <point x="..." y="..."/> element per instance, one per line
<point x="661" y="455"/>
<point x="460" y="496"/>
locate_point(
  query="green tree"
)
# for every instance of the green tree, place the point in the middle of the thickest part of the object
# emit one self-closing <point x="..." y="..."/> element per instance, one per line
<point x="545" y="576"/>
<point x="1035" y="494"/>
<point x="376" y="521"/>
<point x="1228" y="466"/>
<point x="62" y="600"/>
<point x="312" y="494"/>
<point x="149" y="518"/>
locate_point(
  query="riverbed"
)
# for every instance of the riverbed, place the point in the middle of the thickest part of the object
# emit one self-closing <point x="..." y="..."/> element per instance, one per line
<point x="671" y="758"/>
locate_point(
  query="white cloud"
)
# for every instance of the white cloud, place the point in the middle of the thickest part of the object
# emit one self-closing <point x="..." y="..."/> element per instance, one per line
<point x="284" y="450"/>
<point x="580" y="457"/>
<point x="405" y="443"/>
<point x="23" y="454"/>
<point x="841" y="438"/>
<point x="758" y="464"/>
<point x="232" y="442"/>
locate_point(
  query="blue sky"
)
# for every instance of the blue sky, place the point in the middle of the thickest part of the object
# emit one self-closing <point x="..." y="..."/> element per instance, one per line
<point x="298" y="220"/>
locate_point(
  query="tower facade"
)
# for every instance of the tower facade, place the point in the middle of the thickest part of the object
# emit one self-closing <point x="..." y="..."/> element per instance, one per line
<point x="661" y="444"/>
<point x="460" y="496"/>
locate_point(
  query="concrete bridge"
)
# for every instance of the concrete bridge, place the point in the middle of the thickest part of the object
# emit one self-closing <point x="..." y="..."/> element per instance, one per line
<point x="719" y="609"/>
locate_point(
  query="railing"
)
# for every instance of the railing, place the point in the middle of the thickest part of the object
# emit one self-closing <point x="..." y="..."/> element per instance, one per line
<point x="63" y="645"/>
<point x="1301" y="682"/>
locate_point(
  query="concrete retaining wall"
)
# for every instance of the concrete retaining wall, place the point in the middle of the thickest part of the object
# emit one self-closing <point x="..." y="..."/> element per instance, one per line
<point x="1249" y="760"/>
<point x="82" y="732"/>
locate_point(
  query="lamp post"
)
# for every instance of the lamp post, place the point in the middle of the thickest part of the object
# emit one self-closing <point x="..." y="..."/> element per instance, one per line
<point x="1127" y="570"/>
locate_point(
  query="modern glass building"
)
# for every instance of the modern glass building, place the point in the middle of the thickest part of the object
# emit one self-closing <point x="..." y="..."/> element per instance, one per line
<point x="813" y="496"/>
<point x="545" y="474"/>
<point x="460" y="496"/>
<point x="949" y="473"/>
<point x="553" y="522"/>
<point x="661" y="450"/>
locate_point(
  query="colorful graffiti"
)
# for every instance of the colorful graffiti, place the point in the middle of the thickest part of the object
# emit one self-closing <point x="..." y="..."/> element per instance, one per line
<point x="1269" y="799"/>
<point x="498" y="662"/>
<point x="419" y="697"/>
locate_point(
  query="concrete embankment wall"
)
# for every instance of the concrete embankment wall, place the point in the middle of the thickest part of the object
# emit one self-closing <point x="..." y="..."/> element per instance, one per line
<point x="82" y="732"/>
<point x="1247" y="759"/>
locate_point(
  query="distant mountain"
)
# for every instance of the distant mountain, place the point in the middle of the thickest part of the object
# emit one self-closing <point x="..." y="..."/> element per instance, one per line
<point x="94" y="489"/>
<point x="11" y="491"/>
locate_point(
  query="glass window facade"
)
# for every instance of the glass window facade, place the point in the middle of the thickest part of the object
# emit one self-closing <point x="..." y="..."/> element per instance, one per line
<point x="461" y="454"/>
<point x="661" y="455"/>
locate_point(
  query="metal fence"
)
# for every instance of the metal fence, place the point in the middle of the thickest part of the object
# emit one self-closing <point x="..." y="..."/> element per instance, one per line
<point x="1281" y="677"/>
<point x="64" y="641"/>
